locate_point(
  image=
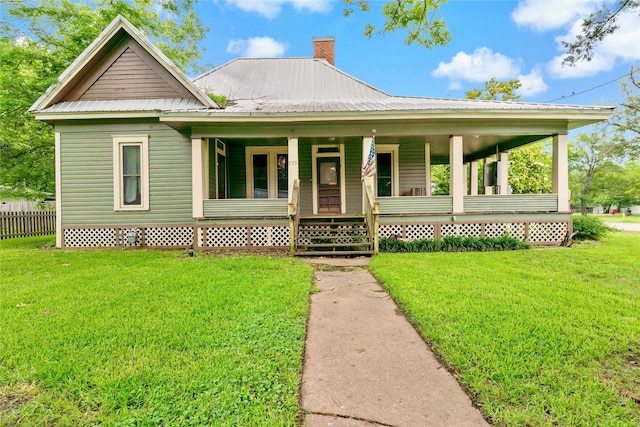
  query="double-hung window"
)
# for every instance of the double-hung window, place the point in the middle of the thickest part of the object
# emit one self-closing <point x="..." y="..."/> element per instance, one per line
<point x="130" y="172"/>
<point x="267" y="172"/>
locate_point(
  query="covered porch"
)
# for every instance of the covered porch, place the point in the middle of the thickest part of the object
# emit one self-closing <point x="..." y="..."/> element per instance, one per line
<point x="275" y="180"/>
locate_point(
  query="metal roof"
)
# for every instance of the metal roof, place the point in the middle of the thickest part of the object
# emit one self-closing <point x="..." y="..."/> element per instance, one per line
<point x="387" y="104"/>
<point x="284" y="78"/>
<point x="126" y="105"/>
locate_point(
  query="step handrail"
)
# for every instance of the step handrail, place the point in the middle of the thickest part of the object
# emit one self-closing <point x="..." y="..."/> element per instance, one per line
<point x="294" y="216"/>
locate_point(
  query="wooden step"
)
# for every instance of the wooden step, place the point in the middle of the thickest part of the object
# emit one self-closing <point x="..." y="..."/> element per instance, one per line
<point x="333" y="237"/>
<point x="329" y="225"/>
<point x="333" y="253"/>
<point x="333" y="245"/>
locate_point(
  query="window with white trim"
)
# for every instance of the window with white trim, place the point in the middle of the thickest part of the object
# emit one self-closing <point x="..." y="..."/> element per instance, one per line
<point x="387" y="170"/>
<point x="130" y="172"/>
<point x="267" y="172"/>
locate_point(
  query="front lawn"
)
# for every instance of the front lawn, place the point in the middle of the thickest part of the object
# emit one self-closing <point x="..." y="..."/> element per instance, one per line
<point x="538" y="337"/>
<point x="149" y="337"/>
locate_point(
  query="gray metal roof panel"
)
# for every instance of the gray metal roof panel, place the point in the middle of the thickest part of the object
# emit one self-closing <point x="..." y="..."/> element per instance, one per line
<point x="126" y="105"/>
<point x="387" y="104"/>
<point x="283" y="78"/>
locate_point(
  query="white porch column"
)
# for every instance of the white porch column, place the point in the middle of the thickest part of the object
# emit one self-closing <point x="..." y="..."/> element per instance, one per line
<point x="293" y="171"/>
<point x="456" y="166"/>
<point x="427" y="168"/>
<point x="488" y="189"/>
<point x="198" y="152"/>
<point x="473" y="178"/>
<point x="59" y="236"/>
<point x="503" y="173"/>
<point x="560" y="173"/>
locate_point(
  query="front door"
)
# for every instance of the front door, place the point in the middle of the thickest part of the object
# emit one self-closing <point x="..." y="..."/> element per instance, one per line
<point x="329" y="192"/>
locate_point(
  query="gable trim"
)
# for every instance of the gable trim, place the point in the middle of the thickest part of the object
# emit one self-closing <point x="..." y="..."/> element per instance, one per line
<point x="107" y="35"/>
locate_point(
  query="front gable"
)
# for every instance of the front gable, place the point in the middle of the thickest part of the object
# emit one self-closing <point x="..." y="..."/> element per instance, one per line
<point x="121" y="64"/>
<point x="127" y="72"/>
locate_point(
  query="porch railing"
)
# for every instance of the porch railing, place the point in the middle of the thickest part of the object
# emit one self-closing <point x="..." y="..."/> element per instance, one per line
<point x="371" y="212"/>
<point x="294" y="217"/>
<point x="245" y="208"/>
<point x="415" y="205"/>
<point x="512" y="203"/>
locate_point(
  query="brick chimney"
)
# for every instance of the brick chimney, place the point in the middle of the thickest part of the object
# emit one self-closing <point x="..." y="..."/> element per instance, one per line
<point x="323" y="47"/>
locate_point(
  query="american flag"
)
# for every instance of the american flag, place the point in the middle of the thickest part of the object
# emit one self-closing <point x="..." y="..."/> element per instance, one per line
<point x="369" y="167"/>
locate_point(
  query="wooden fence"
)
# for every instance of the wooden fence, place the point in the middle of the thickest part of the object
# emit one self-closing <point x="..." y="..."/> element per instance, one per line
<point x="24" y="224"/>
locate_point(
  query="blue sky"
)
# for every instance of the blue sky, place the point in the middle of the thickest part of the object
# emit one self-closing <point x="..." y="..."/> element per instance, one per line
<point x="503" y="39"/>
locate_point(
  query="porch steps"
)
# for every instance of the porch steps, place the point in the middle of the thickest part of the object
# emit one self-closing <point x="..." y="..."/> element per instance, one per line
<point x="333" y="235"/>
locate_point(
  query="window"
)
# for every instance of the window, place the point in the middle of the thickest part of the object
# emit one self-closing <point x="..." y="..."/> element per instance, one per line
<point x="217" y="169"/>
<point x="267" y="173"/>
<point x="130" y="172"/>
<point x="387" y="170"/>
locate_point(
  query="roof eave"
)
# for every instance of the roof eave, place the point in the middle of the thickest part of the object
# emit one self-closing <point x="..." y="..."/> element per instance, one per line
<point x="591" y="115"/>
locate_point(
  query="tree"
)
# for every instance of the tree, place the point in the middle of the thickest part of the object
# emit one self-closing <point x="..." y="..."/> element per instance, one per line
<point x="627" y="120"/>
<point x="595" y="28"/>
<point x="603" y="151"/>
<point x="40" y="40"/>
<point x="495" y="90"/>
<point x="591" y="153"/>
<point x="530" y="169"/>
<point x="417" y="17"/>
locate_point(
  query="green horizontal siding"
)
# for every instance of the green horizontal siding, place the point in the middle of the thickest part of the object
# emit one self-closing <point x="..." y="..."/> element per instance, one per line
<point x="245" y="208"/>
<point x="353" y="172"/>
<point x="87" y="174"/>
<point x="511" y="203"/>
<point x="415" y="205"/>
<point x="411" y="171"/>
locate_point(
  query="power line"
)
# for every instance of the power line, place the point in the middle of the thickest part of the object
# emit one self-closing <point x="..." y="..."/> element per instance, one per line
<point x="589" y="90"/>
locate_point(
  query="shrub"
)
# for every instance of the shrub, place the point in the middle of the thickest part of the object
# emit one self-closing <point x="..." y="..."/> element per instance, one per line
<point x="589" y="228"/>
<point x="452" y="244"/>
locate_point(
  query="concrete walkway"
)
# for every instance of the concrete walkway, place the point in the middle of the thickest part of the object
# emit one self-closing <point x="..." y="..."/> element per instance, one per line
<point x="624" y="226"/>
<point x="365" y="365"/>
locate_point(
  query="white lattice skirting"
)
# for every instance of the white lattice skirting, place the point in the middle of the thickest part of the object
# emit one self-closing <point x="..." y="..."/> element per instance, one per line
<point x="178" y="236"/>
<point x="534" y="232"/>
<point x="265" y="236"/>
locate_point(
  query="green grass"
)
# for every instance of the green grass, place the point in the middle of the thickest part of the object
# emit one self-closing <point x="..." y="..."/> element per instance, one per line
<point x="149" y="337"/>
<point x="540" y="337"/>
<point x="628" y="219"/>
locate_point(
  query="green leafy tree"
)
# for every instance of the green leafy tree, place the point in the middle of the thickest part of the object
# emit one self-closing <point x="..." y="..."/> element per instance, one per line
<point x="618" y="141"/>
<point x="530" y="169"/>
<point x="495" y="90"/>
<point x="627" y="119"/>
<point x="440" y="176"/>
<point x="39" y="39"/>
<point x="616" y="185"/>
<point x="595" y="28"/>
<point x="418" y="18"/>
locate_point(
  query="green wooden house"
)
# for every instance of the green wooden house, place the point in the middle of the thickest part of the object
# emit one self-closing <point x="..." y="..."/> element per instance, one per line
<point x="146" y="158"/>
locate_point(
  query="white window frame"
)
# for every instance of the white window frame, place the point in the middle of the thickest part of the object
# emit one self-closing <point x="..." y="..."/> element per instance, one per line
<point x="395" y="163"/>
<point x="120" y="141"/>
<point x="272" y="153"/>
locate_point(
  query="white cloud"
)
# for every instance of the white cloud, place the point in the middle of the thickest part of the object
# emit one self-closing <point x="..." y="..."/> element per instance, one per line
<point x="543" y="15"/>
<point x="532" y="84"/>
<point x="272" y="8"/>
<point x="480" y="66"/>
<point x="621" y="45"/>
<point x="257" y="47"/>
